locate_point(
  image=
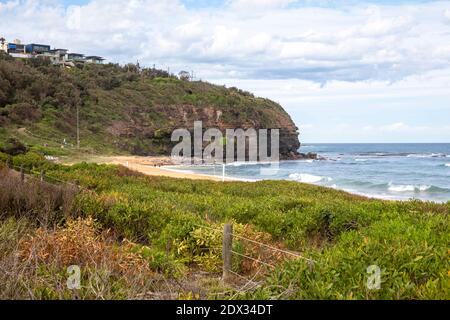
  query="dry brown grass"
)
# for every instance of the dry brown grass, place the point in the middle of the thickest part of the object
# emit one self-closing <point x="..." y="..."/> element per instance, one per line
<point x="80" y="244"/>
<point x="42" y="202"/>
<point x="40" y="237"/>
<point x="34" y="264"/>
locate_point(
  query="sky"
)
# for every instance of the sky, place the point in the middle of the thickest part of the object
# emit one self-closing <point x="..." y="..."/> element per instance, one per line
<point x="345" y="70"/>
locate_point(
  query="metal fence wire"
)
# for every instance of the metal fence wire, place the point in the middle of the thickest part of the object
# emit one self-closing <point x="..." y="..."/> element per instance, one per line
<point x="227" y="250"/>
<point x="41" y="176"/>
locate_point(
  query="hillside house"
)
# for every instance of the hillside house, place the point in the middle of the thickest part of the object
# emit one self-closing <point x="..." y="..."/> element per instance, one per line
<point x="57" y="56"/>
<point x="17" y="50"/>
<point x="15" y="47"/>
<point x="75" y="57"/>
<point x="94" y="59"/>
<point x="34" y="48"/>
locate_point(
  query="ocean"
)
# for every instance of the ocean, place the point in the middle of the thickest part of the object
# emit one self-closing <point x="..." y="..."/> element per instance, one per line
<point x="387" y="171"/>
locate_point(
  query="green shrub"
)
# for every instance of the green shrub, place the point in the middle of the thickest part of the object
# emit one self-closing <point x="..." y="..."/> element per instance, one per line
<point x="32" y="160"/>
<point x="13" y="147"/>
<point x="4" y="158"/>
<point x="162" y="262"/>
<point x="343" y="233"/>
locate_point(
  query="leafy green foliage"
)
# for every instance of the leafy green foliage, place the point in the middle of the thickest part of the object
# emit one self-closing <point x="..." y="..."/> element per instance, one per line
<point x="32" y="160"/>
<point x="344" y="234"/>
<point x="123" y="109"/>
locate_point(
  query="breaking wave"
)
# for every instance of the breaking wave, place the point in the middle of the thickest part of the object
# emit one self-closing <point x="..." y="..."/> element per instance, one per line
<point x="408" y="188"/>
<point x="308" y="178"/>
<point x="402" y="154"/>
<point x="427" y="155"/>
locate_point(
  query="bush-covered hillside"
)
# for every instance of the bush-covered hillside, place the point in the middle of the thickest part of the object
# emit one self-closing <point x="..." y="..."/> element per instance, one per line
<point x="122" y="108"/>
<point x="144" y="237"/>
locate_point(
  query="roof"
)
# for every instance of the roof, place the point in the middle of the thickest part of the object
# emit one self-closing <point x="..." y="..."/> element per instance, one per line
<point x="94" y="58"/>
<point x="54" y="50"/>
<point x="76" y="54"/>
<point x="38" y="44"/>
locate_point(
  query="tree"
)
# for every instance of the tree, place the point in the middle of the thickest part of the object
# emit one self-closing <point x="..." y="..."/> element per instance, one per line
<point x="184" y="75"/>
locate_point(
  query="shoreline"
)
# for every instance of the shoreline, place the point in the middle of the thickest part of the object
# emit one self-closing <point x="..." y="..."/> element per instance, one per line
<point x="198" y="176"/>
<point x="168" y="171"/>
<point x="163" y="166"/>
<point x="156" y="166"/>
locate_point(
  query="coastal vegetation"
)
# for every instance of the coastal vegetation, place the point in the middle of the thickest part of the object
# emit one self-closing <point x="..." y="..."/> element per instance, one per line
<point x="121" y="109"/>
<point x="142" y="237"/>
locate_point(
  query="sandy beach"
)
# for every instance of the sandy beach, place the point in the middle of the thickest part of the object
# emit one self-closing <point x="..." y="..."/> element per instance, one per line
<point x="154" y="166"/>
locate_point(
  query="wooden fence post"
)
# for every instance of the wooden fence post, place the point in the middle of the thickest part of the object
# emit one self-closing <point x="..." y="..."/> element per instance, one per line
<point x="42" y="175"/>
<point x="9" y="163"/>
<point x="22" y="173"/>
<point x="227" y="245"/>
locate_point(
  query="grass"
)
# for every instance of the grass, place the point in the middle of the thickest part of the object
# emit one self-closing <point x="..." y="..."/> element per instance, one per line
<point x="161" y="220"/>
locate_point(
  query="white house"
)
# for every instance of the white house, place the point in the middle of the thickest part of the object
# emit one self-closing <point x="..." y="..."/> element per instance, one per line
<point x="94" y="59"/>
<point x="57" y="56"/>
<point x="3" y="45"/>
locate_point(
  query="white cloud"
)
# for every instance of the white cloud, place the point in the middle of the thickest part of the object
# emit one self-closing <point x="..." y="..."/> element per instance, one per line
<point x="381" y="27"/>
<point x="399" y="126"/>
<point x="447" y="14"/>
<point x="336" y="60"/>
<point x="406" y="129"/>
<point x="397" y="132"/>
<point x="362" y="42"/>
<point x="258" y="4"/>
<point x="9" y="5"/>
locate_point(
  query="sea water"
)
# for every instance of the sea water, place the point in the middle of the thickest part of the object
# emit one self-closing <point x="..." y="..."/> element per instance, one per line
<point x="388" y="171"/>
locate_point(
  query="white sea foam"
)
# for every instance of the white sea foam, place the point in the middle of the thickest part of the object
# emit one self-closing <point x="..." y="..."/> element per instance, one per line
<point x="447" y="164"/>
<point x="361" y="160"/>
<point x="407" y="188"/>
<point x="438" y="155"/>
<point x="241" y="163"/>
<point x="401" y="188"/>
<point x="427" y="155"/>
<point x="418" y="156"/>
<point x="308" y="178"/>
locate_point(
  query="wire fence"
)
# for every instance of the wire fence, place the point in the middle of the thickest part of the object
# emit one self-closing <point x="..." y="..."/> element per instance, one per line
<point x="250" y="283"/>
<point x="41" y="176"/>
<point x="296" y="255"/>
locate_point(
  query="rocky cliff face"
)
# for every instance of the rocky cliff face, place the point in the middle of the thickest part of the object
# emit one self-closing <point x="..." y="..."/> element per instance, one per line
<point x="184" y="116"/>
<point x="127" y="108"/>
